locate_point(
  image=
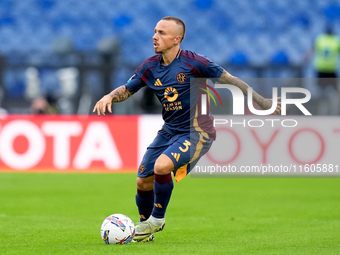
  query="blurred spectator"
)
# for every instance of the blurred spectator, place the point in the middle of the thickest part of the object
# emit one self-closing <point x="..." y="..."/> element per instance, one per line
<point x="3" y="111"/>
<point x="41" y="105"/>
<point x="326" y="50"/>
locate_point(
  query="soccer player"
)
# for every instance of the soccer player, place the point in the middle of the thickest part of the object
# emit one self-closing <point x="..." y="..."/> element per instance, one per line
<point x="186" y="135"/>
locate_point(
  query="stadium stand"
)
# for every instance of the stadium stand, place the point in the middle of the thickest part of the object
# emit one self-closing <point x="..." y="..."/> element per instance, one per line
<point x="235" y="32"/>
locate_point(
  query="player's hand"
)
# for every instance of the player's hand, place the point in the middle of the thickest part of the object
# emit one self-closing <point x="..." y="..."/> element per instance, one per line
<point x="104" y="103"/>
<point x="267" y="104"/>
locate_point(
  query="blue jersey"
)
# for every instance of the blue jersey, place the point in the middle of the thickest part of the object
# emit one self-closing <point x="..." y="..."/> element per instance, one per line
<point x="171" y="84"/>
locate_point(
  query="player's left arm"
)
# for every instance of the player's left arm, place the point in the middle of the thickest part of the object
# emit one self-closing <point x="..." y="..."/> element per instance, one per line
<point x="264" y="103"/>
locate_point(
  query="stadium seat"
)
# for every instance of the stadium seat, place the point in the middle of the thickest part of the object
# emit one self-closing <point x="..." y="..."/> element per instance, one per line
<point x="122" y="21"/>
<point x="204" y="4"/>
<point x="45" y="4"/>
<point x="238" y="58"/>
<point x="7" y="21"/>
<point x="332" y="12"/>
<point x="280" y="58"/>
<point x="241" y="32"/>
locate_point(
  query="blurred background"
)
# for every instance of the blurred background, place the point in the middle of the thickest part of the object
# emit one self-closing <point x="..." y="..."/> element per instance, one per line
<point x="61" y="56"/>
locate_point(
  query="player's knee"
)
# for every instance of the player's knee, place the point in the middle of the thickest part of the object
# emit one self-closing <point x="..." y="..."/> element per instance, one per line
<point x="144" y="184"/>
<point x="159" y="168"/>
<point x="163" y="167"/>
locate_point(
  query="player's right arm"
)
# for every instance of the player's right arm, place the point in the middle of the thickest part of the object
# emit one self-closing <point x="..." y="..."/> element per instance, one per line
<point x="119" y="94"/>
<point x="123" y="92"/>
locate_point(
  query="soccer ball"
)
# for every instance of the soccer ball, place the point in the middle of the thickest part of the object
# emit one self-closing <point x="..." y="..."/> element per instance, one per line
<point x="117" y="229"/>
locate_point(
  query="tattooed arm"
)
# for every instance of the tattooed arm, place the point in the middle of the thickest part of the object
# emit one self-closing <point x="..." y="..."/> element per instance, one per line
<point x="119" y="94"/>
<point x="264" y="103"/>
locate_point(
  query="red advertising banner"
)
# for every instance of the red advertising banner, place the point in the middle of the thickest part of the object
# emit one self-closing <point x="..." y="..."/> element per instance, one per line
<point x="68" y="143"/>
<point x="118" y="143"/>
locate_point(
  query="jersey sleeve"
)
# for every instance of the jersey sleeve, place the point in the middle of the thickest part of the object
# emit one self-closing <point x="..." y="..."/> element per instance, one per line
<point x="213" y="71"/>
<point x="135" y="83"/>
<point x="209" y="69"/>
<point x="140" y="77"/>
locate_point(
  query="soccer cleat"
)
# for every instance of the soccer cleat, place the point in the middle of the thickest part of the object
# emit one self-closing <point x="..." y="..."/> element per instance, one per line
<point x="144" y="231"/>
<point x="149" y="238"/>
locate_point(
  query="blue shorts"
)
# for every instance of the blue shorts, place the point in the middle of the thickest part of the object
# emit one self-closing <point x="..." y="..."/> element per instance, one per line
<point x="183" y="149"/>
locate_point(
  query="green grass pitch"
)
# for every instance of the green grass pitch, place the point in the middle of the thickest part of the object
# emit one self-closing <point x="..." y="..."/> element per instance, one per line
<point x="62" y="213"/>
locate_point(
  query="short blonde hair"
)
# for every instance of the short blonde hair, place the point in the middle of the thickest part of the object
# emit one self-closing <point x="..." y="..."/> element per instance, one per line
<point x="178" y="22"/>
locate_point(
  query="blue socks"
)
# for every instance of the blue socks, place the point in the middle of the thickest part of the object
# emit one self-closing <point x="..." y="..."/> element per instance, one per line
<point x="163" y="186"/>
<point x="144" y="202"/>
<point x="154" y="202"/>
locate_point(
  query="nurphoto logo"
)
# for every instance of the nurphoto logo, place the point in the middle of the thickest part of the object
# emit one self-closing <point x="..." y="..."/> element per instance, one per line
<point x="238" y="100"/>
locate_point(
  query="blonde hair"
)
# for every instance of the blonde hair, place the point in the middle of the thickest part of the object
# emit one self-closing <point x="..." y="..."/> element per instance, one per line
<point x="178" y="22"/>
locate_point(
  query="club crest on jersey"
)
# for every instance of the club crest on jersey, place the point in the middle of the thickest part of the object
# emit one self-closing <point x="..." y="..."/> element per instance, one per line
<point x="171" y="94"/>
<point x="141" y="168"/>
<point x="181" y="77"/>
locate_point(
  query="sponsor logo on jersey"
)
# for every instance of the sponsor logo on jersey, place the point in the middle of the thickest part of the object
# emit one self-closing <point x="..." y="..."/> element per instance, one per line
<point x="173" y="106"/>
<point x="171" y="94"/>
